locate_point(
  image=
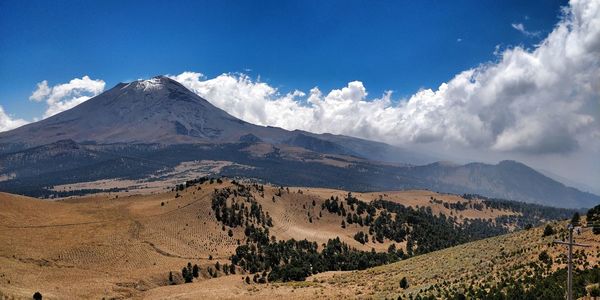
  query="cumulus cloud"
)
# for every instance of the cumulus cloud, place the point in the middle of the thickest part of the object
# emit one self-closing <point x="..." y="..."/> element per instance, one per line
<point x="66" y="95"/>
<point x="544" y="100"/>
<point x="521" y="28"/>
<point x="7" y="122"/>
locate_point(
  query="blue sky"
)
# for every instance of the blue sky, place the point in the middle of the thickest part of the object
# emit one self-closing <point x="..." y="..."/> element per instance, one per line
<point x="388" y="45"/>
<point x="471" y="80"/>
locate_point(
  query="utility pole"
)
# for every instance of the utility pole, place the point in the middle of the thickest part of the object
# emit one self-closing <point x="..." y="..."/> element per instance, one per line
<point x="570" y="245"/>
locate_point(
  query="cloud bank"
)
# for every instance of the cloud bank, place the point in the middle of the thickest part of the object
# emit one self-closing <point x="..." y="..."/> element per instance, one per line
<point x="544" y="100"/>
<point x="7" y="122"/>
<point x="67" y="95"/>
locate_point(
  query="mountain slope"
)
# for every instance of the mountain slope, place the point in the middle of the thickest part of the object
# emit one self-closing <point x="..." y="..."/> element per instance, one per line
<point x="121" y="246"/>
<point x="494" y="262"/>
<point x="159" y="110"/>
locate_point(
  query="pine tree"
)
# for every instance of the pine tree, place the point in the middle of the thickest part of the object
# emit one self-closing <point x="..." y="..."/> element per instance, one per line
<point x="195" y="271"/>
<point x="403" y="283"/>
<point x="548" y="230"/>
<point x="576" y="219"/>
<point x="544" y="257"/>
<point x="392" y="249"/>
<point x="185" y="275"/>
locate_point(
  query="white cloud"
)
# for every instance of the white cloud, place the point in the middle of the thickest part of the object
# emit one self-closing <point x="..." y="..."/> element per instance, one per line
<point x="66" y="95"/>
<point x="543" y="100"/>
<point x="41" y="92"/>
<point x="521" y="28"/>
<point x="7" y="122"/>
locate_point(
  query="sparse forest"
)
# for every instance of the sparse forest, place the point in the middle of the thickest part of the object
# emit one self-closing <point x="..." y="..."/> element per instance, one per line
<point x="383" y="220"/>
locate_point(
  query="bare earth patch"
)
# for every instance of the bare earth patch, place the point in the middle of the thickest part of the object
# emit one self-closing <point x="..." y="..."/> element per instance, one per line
<point x="157" y="183"/>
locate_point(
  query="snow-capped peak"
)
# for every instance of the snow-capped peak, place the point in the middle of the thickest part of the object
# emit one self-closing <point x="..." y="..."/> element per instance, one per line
<point x="145" y="85"/>
<point x="149" y="84"/>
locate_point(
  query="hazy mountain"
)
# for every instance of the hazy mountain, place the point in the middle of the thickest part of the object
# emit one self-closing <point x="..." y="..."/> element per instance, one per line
<point x="508" y="180"/>
<point x="137" y="129"/>
<point x="570" y="182"/>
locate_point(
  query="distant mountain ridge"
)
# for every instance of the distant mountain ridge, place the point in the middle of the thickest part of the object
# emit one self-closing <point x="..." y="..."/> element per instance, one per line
<point x="136" y="129"/>
<point x="508" y="180"/>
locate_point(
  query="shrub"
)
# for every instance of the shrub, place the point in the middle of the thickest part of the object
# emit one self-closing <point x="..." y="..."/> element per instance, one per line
<point x="544" y="257"/>
<point x="195" y="271"/>
<point x="576" y="219"/>
<point x="548" y="230"/>
<point x="404" y="283"/>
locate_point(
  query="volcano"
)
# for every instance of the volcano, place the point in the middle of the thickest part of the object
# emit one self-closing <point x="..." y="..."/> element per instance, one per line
<point x="162" y="111"/>
<point x="158" y="110"/>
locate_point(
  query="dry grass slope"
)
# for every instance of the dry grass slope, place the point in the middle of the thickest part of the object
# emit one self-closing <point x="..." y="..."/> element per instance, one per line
<point x="457" y="267"/>
<point x="106" y="247"/>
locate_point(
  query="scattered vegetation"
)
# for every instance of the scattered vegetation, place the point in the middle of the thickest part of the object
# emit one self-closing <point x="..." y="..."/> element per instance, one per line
<point x="548" y="230"/>
<point x="593" y="219"/>
<point x="384" y="221"/>
<point x="422" y="230"/>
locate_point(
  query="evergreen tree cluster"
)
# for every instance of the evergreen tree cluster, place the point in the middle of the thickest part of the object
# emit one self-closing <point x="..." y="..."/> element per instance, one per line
<point x="593" y="219"/>
<point x="361" y="237"/>
<point x="537" y="286"/>
<point x="236" y="212"/>
<point x="294" y="260"/>
<point x="291" y="259"/>
<point x="387" y="220"/>
<point x="428" y="231"/>
<point x="287" y="260"/>
<point x="530" y="213"/>
<point x="459" y="206"/>
<point x="189" y="272"/>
